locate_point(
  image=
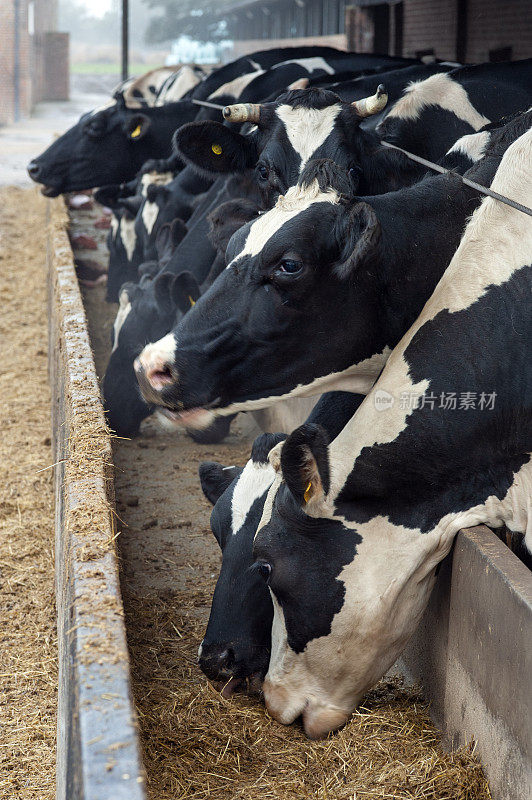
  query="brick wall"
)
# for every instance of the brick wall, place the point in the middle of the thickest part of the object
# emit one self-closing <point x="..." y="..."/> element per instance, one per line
<point x="51" y="66"/>
<point x="7" y="61"/>
<point x="43" y="58"/>
<point x="430" y="24"/>
<point x="492" y="24"/>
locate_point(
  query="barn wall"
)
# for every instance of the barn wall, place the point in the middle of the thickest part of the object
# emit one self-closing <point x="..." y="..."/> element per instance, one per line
<point x="43" y="57"/>
<point x="492" y="25"/>
<point x="430" y="24"/>
<point x="7" y="61"/>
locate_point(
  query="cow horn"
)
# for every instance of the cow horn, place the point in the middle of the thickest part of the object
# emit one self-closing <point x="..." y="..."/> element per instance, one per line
<point x="242" y="112"/>
<point x="372" y="104"/>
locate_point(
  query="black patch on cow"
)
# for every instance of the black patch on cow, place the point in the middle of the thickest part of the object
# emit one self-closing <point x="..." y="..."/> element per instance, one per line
<point x="328" y="175"/>
<point x="306" y="585"/>
<point x="213" y="149"/>
<point x="215" y="479"/>
<point x="263" y="444"/>
<point x="447" y="461"/>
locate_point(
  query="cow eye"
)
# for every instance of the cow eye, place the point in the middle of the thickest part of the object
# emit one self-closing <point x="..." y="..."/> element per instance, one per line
<point x="264" y="569"/>
<point x="288" y="268"/>
<point x="263" y="172"/>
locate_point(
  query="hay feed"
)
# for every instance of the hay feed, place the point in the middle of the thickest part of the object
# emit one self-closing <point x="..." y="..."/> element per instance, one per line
<point x="199" y="745"/>
<point x="28" y="663"/>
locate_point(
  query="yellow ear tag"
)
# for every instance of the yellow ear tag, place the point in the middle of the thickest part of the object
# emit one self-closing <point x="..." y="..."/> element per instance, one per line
<point x="306" y="495"/>
<point x="192" y="302"/>
<point x="217" y="149"/>
<point x="136" y="133"/>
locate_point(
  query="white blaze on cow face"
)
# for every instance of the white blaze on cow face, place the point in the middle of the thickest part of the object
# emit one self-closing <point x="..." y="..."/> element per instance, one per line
<point x="288" y="206"/>
<point x="438" y="90"/>
<point x="128" y="235"/>
<point x="157" y="355"/>
<point x="307" y="128"/>
<point x="154" y="178"/>
<point x="473" y="145"/>
<point x="124" y="307"/>
<point x="255" y="479"/>
<point x="115" y="224"/>
<point x="235" y="87"/>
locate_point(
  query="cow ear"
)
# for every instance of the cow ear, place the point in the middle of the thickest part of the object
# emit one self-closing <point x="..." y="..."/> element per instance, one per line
<point x="359" y="233"/>
<point x="137" y="126"/>
<point x="156" y="192"/>
<point x="167" y="239"/>
<point x="305" y="463"/>
<point x="162" y="289"/>
<point x="130" y="205"/>
<point x="215" y="479"/>
<point x="213" y="149"/>
<point x="185" y="291"/>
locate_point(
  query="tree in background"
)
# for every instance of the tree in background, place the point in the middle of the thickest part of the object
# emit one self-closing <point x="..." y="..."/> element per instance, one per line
<point x="87" y="28"/>
<point x="198" y="19"/>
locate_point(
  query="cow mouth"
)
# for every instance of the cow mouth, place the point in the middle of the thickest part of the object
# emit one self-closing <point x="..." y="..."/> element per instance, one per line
<point x="250" y="685"/>
<point x="50" y="191"/>
<point x="197" y="417"/>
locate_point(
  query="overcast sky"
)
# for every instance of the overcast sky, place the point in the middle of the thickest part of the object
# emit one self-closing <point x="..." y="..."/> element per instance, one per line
<point x="97" y="8"/>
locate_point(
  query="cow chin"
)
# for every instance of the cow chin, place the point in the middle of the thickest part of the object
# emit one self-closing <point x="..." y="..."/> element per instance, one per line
<point x="50" y="191"/>
<point x="195" y="418"/>
<point x="319" y="718"/>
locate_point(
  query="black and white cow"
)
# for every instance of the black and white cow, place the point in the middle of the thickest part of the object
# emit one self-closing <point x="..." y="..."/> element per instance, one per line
<point x="111" y="143"/>
<point x="352" y="532"/>
<point x="150" y="309"/>
<point x="445" y="107"/>
<point x="317" y="292"/>
<point x="237" y="641"/>
<point x="319" y="123"/>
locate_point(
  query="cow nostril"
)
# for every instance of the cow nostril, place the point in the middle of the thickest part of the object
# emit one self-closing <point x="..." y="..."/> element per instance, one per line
<point x="33" y="170"/>
<point x="159" y="377"/>
<point x="227" y="658"/>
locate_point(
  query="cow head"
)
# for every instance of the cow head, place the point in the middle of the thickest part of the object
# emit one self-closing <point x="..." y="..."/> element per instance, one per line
<point x="145" y="310"/>
<point x="346" y="596"/>
<point x="298" y="309"/>
<point x="238" y="636"/>
<point x="108" y="145"/>
<point x="286" y="134"/>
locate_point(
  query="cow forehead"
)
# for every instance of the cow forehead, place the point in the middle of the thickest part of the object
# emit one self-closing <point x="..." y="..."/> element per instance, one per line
<point x="307" y="128"/>
<point x="296" y="200"/>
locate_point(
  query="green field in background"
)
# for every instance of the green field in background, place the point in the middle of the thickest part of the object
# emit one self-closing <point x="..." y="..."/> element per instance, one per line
<point x="86" y="68"/>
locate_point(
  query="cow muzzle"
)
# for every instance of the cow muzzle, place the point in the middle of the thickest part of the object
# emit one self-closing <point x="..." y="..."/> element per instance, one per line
<point x="319" y="718"/>
<point x="155" y="369"/>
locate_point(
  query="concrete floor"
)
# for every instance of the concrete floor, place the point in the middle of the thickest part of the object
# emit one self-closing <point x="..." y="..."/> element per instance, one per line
<point x="24" y="140"/>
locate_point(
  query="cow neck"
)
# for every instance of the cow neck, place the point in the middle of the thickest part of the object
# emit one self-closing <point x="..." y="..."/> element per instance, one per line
<point x="384" y="170"/>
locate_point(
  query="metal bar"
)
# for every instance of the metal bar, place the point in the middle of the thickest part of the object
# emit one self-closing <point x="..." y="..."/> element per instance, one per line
<point x="125" y="39"/>
<point x="208" y="105"/>
<point x="477" y="186"/>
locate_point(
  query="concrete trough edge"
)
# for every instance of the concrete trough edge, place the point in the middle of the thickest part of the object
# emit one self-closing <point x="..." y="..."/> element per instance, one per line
<point x="472" y="653"/>
<point x="98" y="751"/>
